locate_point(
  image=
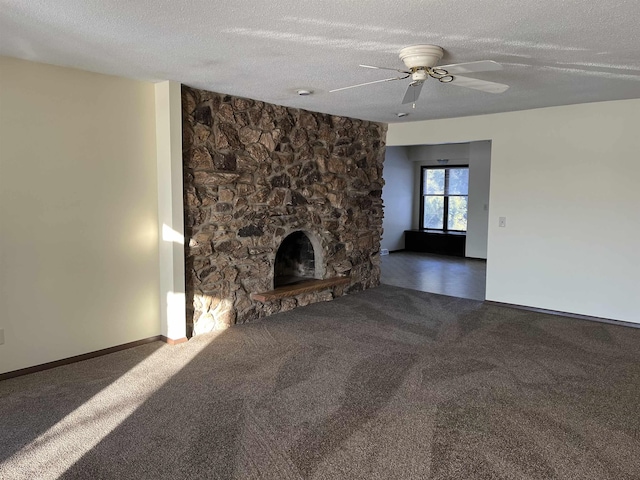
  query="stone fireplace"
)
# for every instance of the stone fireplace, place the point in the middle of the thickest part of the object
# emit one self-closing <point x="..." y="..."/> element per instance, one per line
<point x="274" y="196"/>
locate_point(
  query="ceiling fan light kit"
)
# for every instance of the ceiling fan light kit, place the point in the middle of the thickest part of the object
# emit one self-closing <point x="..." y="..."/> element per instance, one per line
<point x="421" y="56"/>
<point x="421" y="62"/>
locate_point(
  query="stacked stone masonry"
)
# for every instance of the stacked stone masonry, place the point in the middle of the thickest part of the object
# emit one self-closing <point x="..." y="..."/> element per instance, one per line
<point x="256" y="172"/>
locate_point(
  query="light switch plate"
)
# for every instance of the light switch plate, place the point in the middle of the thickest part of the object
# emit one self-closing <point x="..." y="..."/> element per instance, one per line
<point x="502" y="221"/>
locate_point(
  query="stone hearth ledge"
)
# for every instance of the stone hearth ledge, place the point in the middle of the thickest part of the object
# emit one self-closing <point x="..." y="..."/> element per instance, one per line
<point x="307" y="286"/>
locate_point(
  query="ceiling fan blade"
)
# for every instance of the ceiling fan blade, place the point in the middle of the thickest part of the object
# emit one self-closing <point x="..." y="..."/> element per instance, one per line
<point x="367" y="83"/>
<point x="412" y="93"/>
<point x="384" y="68"/>
<point x="482" y="85"/>
<point x="470" y="67"/>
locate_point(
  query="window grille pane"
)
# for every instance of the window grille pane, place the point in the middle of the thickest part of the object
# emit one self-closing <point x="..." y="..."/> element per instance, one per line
<point x="434" y="181"/>
<point x="457" y="215"/>
<point x="458" y="181"/>
<point x="433" y="212"/>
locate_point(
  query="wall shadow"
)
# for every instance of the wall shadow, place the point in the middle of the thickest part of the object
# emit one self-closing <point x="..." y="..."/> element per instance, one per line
<point x="31" y="404"/>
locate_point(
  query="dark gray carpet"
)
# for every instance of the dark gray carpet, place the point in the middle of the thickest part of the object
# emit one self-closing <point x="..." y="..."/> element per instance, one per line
<point x="384" y="384"/>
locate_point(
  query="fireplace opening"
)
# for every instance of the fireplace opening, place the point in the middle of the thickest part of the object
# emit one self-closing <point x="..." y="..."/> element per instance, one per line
<point x="295" y="260"/>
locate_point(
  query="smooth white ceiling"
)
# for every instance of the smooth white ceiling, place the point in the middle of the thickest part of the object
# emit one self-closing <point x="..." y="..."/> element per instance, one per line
<point x="554" y="52"/>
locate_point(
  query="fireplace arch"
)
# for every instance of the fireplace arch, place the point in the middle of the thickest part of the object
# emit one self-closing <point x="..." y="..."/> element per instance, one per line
<point x="299" y="258"/>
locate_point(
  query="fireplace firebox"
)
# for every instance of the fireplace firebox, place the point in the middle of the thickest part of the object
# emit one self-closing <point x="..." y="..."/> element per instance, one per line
<point x="295" y="260"/>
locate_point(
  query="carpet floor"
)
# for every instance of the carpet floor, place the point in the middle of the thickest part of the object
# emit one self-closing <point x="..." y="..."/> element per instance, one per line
<point x="384" y="384"/>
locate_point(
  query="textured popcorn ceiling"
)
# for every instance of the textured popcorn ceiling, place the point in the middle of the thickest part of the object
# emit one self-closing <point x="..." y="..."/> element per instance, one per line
<point x="555" y="52"/>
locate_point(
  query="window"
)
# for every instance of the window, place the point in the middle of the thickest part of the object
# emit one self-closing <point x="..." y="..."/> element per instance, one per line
<point x="445" y="194"/>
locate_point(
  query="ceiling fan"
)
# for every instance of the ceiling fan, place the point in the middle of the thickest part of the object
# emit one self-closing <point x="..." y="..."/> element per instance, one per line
<point x="421" y="62"/>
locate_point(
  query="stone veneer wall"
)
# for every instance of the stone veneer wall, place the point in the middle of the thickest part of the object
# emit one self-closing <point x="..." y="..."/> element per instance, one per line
<point x="256" y="172"/>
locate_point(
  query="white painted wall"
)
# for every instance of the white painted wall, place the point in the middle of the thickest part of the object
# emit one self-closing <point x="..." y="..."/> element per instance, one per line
<point x="168" y="110"/>
<point x="477" y="155"/>
<point x="398" y="197"/>
<point x="456" y="153"/>
<point x="78" y="213"/>
<point x="566" y="179"/>
<point x="479" y="188"/>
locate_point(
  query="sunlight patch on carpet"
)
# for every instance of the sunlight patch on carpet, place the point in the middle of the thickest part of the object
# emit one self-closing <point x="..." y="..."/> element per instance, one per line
<point x="87" y="425"/>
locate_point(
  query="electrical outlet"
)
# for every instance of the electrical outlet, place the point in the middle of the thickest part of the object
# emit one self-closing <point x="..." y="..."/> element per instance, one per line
<point x="502" y="221"/>
<point x="1" y="336"/>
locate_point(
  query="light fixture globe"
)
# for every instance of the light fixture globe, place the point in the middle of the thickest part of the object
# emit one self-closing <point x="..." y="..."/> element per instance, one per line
<point x="417" y="56"/>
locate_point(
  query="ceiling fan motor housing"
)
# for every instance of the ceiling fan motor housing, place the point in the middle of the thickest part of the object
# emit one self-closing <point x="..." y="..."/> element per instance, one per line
<point x="421" y="56"/>
<point x="419" y="75"/>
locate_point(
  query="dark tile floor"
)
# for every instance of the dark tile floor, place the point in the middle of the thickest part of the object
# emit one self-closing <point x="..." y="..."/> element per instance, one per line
<point x="453" y="276"/>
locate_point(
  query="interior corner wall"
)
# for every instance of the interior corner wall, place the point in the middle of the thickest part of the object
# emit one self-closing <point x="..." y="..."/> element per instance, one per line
<point x="479" y="189"/>
<point x="168" y="108"/>
<point x="398" y="197"/>
<point x="565" y="179"/>
<point x="78" y="213"/>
